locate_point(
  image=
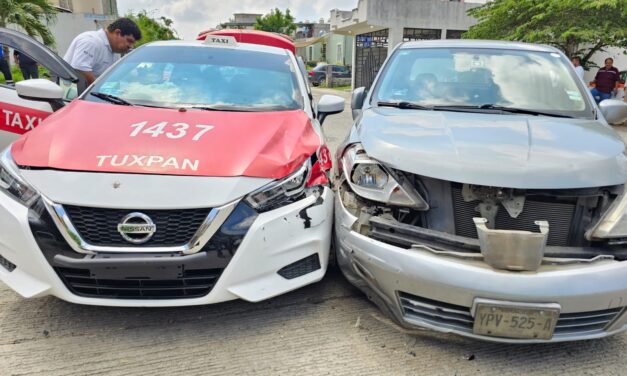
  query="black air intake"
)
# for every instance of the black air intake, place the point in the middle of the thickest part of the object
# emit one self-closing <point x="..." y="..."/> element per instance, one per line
<point x="8" y="265"/>
<point x="301" y="267"/>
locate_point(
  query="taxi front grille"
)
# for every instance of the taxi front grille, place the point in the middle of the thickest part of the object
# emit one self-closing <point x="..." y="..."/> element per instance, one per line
<point x="130" y="278"/>
<point x="445" y="315"/>
<point x="99" y="226"/>
<point x="192" y="284"/>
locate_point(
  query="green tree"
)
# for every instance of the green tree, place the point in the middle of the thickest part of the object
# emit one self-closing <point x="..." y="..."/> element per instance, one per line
<point x="31" y="15"/>
<point x="153" y="29"/>
<point x="277" y="22"/>
<point x="577" y="27"/>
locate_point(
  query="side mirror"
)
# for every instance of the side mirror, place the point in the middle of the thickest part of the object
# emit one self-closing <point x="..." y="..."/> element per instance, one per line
<point x="614" y="111"/>
<point x="329" y="105"/>
<point x="357" y="100"/>
<point x="41" y="90"/>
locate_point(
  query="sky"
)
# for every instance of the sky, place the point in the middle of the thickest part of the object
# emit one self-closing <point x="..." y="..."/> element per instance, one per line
<point x="192" y="16"/>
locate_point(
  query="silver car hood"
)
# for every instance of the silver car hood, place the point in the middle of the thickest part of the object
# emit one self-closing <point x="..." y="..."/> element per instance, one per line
<point x="513" y="151"/>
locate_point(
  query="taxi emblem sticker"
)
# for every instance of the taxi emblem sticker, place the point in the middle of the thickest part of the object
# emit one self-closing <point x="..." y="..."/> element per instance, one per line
<point x="222" y="40"/>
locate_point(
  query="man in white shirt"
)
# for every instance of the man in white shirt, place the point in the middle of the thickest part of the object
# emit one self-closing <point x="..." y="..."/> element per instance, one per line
<point x="578" y="68"/>
<point x="92" y="52"/>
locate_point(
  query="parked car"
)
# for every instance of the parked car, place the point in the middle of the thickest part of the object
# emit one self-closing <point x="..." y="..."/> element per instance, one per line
<point x="189" y="173"/>
<point x="341" y="74"/>
<point x="482" y="193"/>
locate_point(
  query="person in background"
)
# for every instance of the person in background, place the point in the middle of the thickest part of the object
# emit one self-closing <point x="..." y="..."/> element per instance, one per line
<point x="4" y="67"/>
<point x="606" y="80"/>
<point x="27" y="65"/>
<point x="92" y="52"/>
<point x="578" y="68"/>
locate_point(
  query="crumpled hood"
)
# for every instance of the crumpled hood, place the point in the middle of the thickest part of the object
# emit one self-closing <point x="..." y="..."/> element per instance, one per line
<point x="87" y="136"/>
<point x="512" y="151"/>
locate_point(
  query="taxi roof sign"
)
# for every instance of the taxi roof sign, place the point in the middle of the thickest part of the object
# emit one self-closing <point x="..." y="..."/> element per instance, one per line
<point x="221" y="40"/>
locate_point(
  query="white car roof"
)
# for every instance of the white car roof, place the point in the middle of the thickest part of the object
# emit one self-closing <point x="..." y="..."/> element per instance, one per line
<point x="240" y="46"/>
<point x="476" y="43"/>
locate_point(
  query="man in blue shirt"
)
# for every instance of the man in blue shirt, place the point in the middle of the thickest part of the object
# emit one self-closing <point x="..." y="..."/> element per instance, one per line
<point x="4" y="66"/>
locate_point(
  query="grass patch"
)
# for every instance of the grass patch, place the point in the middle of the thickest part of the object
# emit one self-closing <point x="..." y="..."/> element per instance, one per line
<point x="323" y="85"/>
<point x="17" y="74"/>
<point x="342" y="88"/>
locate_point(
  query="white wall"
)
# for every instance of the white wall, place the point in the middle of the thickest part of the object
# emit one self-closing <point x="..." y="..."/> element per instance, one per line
<point x="87" y="6"/>
<point x="69" y="25"/>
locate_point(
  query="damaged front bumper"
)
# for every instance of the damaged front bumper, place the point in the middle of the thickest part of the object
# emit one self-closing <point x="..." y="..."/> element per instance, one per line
<point x="432" y="285"/>
<point x="284" y="249"/>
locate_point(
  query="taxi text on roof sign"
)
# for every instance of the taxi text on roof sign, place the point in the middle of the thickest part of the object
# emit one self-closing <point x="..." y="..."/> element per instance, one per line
<point x="223" y="40"/>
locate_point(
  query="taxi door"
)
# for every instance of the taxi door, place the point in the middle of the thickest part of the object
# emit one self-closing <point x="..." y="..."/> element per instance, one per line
<point x="18" y="115"/>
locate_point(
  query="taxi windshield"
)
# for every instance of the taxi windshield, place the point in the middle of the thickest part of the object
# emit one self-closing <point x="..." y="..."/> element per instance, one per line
<point x="465" y="77"/>
<point x="204" y="77"/>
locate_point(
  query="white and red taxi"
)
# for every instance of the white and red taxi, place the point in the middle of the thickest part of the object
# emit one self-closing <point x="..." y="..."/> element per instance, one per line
<point x="189" y="173"/>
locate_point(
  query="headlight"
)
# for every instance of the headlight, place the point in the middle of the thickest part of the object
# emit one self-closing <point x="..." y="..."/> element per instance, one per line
<point x="369" y="175"/>
<point x="12" y="183"/>
<point x="281" y="192"/>
<point x="371" y="180"/>
<point x="613" y="224"/>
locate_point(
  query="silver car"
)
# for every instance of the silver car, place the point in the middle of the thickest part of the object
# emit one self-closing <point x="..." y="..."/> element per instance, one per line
<point x="481" y="192"/>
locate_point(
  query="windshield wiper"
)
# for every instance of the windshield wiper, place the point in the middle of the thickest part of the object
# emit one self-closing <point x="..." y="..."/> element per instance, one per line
<point x="404" y="105"/>
<point x="512" y="110"/>
<point x="214" y="108"/>
<point x="227" y="108"/>
<point x="111" y="98"/>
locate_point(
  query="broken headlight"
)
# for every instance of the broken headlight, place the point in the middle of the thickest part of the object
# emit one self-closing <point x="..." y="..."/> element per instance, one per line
<point x="371" y="180"/>
<point x="12" y="183"/>
<point x="281" y="192"/>
<point x="613" y="224"/>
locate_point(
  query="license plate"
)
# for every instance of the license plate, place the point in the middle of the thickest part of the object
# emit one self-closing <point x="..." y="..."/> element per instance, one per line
<point x="515" y="322"/>
<point x="147" y="270"/>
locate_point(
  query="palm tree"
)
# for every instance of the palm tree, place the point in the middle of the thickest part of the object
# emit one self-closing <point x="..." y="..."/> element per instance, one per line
<point x="31" y="15"/>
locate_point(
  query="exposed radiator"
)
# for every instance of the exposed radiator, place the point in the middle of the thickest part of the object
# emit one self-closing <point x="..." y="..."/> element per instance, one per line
<point x="558" y="214"/>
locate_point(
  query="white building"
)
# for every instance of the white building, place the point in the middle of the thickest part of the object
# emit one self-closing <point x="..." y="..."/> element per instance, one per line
<point x="241" y="21"/>
<point x="77" y="16"/>
<point x="379" y="25"/>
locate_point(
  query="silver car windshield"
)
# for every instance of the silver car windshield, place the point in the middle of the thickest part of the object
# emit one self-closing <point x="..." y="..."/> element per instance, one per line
<point x="539" y="81"/>
<point x="190" y="76"/>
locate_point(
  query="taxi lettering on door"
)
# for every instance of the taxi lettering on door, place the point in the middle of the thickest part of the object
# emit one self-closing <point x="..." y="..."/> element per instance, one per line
<point x="18" y="119"/>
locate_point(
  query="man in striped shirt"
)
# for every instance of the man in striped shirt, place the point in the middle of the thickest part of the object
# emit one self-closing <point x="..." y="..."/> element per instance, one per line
<point x="606" y="80"/>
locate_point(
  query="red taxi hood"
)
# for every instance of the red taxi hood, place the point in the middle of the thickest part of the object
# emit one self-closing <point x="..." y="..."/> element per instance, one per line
<point x="87" y="136"/>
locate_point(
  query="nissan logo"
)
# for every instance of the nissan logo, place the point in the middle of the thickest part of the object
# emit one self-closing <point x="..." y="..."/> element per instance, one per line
<point x="137" y="228"/>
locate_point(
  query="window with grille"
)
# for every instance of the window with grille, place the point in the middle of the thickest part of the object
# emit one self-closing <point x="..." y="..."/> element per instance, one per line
<point x="410" y="34"/>
<point x="454" y="34"/>
<point x="66" y="4"/>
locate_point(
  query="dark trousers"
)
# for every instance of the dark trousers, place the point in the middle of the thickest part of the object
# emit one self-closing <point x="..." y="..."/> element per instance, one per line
<point x="6" y="70"/>
<point x="29" y="71"/>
